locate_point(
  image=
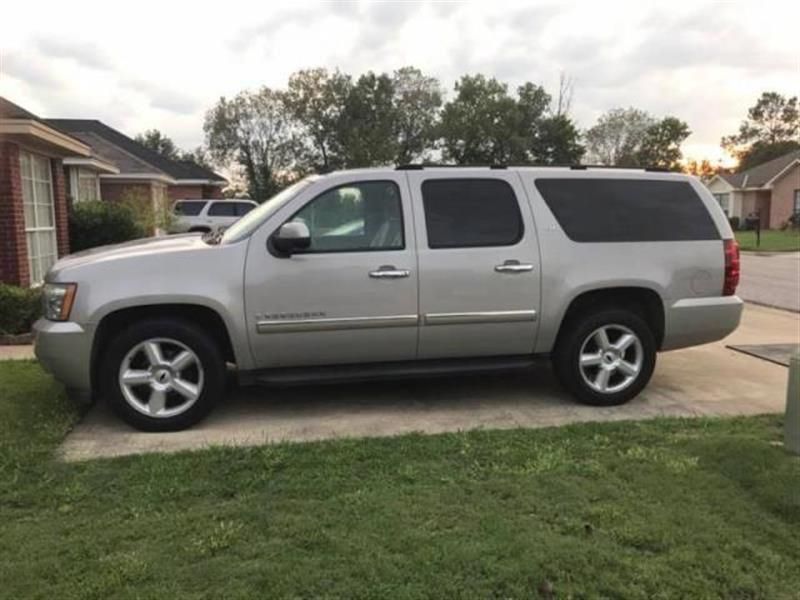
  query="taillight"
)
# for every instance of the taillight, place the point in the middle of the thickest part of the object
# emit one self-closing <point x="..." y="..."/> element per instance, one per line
<point x="731" y="248"/>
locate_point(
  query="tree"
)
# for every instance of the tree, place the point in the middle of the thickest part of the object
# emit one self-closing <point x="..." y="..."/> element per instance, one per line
<point x="629" y="137"/>
<point x="557" y="142"/>
<point x="417" y="100"/>
<point x="255" y="130"/>
<point x="316" y="99"/>
<point x="772" y="129"/>
<point x="158" y="142"/>
<point x="366" y="129"/>
<point x="702" y="169"/>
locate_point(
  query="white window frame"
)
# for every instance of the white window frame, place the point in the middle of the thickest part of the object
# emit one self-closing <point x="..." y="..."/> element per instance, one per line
<point x="724" y="201"/>
<point x="75" y="187"/>
<point x="35" y="256"/>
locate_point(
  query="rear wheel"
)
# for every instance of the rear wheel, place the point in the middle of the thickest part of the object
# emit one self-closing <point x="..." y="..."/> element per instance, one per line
<point x="606" y="357"/>
<point x="162" y="374"/>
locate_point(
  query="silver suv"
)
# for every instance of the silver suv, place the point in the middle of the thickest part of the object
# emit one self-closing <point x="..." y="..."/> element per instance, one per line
<point x="407" y="271"/>
<point x="203" y="216"/>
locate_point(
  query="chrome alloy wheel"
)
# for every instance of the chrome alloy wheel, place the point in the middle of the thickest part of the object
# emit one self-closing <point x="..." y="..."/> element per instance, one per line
<point x="611" y="358"/>
<point x="161" y="378"/>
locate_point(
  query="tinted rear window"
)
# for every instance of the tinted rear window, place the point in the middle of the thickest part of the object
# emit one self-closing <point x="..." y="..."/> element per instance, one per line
<point x="627" y="210"/>
<point x="242" y="208"/>
<point x="470" y="212"/>
<point x="189" y="209"/>
<point x="222" y="209"/>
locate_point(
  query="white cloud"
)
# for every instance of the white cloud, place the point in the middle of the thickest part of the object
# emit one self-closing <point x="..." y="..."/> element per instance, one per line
<point x="163" y="64"/>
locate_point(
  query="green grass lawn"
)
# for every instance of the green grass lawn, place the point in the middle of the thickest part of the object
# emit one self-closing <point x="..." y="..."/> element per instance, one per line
<point x="670" y="508"/>
<point x="772" y="240"/>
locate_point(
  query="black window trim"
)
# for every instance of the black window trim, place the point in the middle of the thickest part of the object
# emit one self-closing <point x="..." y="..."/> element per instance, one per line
<point x="178" y="203"/>
<point x="516" y="242"/>
<point x="401" y="248"/>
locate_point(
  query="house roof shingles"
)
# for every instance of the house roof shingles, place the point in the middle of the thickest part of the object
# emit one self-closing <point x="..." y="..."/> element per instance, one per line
<point x="761" y="174"/>
<point x="128" y="154"/>
<point x="9" y="110"/>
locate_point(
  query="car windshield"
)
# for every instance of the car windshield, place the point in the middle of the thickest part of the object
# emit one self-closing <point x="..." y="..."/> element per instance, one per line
<point x="251" y="221"/>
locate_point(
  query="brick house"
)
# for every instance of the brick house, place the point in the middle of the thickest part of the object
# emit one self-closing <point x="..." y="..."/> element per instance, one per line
<point x="772" y="189"/>
<point x="143" y="173"/>
<point x="33" y="202"/>
<point x="47" y="164"/>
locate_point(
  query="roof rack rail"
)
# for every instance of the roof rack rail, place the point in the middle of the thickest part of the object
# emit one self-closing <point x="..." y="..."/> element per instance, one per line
<point x="579" y="167"/>
<point x="422" y="166"/>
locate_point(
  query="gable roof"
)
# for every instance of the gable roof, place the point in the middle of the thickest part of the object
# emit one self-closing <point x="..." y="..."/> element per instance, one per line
<point x="762" y="174"/>
<point x="19" y="123"/>
<point x="131" y="156"/>
<point x="9" y="110"/>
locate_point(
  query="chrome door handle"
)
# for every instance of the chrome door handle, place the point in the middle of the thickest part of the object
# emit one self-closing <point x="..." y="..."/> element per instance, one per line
<point x="389" y="272"/>
<point x="513" y="266"/>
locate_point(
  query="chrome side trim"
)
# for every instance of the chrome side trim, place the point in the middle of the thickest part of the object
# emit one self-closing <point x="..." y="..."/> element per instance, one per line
<point x="489" y="316"/>
<point x="334" y="324"/>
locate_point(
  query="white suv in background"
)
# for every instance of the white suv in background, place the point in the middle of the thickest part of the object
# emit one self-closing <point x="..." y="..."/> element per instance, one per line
<point x="208" y="215"/>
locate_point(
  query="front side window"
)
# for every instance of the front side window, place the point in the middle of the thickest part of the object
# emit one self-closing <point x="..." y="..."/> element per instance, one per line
<point x="724" y="201"/>
<point x="37" y="198"/>
<point x="462" y="213"/>
<point x="222" y="209"/>
<point x="363" y="216"/>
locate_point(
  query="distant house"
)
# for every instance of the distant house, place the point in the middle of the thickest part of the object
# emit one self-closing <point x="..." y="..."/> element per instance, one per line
<point x="142" y="172"/>
<point x="46" y="164"/>
<point x="771" y="189"/>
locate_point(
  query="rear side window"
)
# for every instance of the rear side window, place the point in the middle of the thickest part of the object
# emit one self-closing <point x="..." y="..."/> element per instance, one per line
<point x="222" y="209"/>
<point x="242" y="208"/>
<point x="627" y="210"/>
<point x="462" y="213"/>
<point x="189" y="209"/>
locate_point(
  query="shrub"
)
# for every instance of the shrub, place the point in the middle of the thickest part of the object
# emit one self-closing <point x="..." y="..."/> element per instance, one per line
<point x="19" y="308"/>
<point x="734" y="221"/>
<point x="93" y="224"/>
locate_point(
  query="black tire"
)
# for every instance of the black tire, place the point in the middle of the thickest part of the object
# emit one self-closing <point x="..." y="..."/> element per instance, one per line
<point x="188" y="334"/>
<point x="566" y="355"/>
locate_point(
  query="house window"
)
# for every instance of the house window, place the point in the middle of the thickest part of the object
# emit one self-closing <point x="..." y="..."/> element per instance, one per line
<point x="85" y="186"/>
<point x="724" y="201"/>
<point x="40" y="230"/>
<point x="796" y="207"/>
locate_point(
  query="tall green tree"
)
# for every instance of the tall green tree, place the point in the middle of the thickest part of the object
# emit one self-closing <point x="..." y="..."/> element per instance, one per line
<point x="255" y="130"/>
<point x="316" y="99"/>
<point x="771" y="129"/>
<point x="159" y="142"/>
<point x="482" y="124"/>
<point x="366" y="130"/>
<point x="629" y="137"/>
<point x="417" y="100"/>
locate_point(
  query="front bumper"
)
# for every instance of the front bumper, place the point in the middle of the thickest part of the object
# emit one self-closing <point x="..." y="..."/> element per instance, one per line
<point x="65" y="350"/>
<point x="695" y="321"/>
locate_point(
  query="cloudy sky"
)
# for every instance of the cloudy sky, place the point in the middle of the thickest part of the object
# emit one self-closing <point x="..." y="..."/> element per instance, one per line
<point x="163" y="64"/>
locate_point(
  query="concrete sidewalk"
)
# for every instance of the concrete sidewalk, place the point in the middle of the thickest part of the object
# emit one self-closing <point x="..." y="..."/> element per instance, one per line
<point x="22" y="352"/>
<point x="707" y="380"/>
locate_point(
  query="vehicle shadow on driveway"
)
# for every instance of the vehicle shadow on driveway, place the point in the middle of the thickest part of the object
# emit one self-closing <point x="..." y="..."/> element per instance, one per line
<point x="710" y="380"/>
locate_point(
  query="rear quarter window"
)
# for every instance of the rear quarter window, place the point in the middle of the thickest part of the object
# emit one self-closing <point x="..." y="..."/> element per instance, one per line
<point x="627" y="210"/>
<point x="189" y="209"/>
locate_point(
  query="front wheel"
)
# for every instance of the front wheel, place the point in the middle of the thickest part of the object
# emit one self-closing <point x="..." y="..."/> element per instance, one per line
<point x="606" y="357"/>
<point x="162" y="374"/>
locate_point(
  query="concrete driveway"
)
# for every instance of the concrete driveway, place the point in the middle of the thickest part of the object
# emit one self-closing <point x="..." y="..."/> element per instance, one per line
<point x="708" y="380"/>
<point x="771" y="279"/>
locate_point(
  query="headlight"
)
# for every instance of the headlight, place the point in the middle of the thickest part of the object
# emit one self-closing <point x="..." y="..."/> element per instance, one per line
<point x="57" y="299"/>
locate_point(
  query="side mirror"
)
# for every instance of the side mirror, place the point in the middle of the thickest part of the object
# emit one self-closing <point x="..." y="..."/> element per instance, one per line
<point x="291" y="237"/>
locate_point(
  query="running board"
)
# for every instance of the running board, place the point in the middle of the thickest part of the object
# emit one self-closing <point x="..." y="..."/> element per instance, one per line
<point x="389" y="370"/>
